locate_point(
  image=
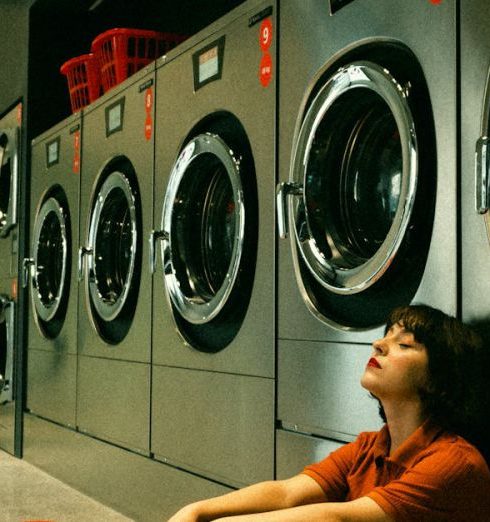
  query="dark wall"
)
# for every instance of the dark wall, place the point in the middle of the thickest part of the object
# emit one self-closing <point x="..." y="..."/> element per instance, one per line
<point x="61" y="29"/>
<point x="14" y="25"/>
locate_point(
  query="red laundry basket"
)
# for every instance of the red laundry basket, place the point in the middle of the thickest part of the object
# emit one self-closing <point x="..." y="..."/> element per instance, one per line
<point x="82" y="73"/>
<point x="122" y="52"/>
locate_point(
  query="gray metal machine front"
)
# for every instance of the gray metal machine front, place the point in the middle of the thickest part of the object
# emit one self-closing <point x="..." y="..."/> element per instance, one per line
<point x="213" y="251"/>
<point x="114" y="309"/>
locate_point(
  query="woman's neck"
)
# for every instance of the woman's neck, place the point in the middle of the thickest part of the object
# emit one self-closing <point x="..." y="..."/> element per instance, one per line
<point x="402" y="419"/>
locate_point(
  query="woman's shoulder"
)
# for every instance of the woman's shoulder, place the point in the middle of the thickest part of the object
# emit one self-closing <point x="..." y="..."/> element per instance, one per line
<point x="370" y="444"/>
<point x="458" y="452"/>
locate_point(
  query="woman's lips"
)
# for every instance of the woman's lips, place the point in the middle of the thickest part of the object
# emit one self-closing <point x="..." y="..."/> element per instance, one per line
<point x="373" y="363"/>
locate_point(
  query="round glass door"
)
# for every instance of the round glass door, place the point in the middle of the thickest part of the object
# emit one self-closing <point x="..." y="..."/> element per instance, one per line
<point x="113" y="266"/>
<point x="8" y="179"/>
<point x="50" y="282"/>
<point x="354" y="181"/>
<point x="209" y="239"/>
<point x="204" y="215"/>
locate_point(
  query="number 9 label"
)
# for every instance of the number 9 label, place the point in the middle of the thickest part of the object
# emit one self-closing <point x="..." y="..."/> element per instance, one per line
<point x="265" y="34"/>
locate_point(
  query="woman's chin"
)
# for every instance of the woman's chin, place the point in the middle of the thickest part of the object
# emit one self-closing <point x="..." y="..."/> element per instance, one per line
<point x="368" y="382"/>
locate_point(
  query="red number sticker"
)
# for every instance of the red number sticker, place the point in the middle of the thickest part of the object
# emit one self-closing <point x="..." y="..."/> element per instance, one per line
<point x="148" y="108"/>
<point x="76" y="152"/>
<point x="149" y="99"/>
<point x="265" y="34"/>
<point x="19" y="114"/>
<point x="265" y="69"/>
<point x="148" y="127"/>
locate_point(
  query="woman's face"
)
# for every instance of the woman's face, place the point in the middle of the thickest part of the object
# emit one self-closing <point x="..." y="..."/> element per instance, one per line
<point x="398" y="368"/>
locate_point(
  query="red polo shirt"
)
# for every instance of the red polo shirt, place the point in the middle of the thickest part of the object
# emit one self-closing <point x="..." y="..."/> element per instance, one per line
<point x="433" y="476"/>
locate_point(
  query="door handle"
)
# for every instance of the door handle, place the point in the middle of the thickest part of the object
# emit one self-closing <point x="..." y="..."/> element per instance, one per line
<point x="82" y="253"/>
<point x="155" y="235"/>
<point x="481" y="175"/>
<point x="27" y="270"/>
<point x="284" y="190"/>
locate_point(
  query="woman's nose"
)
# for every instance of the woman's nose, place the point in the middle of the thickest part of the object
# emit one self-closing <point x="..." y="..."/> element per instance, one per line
<point x="379" y="345"/>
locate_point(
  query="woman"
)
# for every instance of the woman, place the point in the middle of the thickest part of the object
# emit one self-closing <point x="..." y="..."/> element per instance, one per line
<point x="427" y="373"/>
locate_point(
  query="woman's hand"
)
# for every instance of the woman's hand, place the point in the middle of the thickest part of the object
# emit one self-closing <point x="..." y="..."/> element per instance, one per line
<point x="189" y="513"/>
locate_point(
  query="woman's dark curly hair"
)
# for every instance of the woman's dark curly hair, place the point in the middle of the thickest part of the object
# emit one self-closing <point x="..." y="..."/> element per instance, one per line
<point x="456" y="394"/>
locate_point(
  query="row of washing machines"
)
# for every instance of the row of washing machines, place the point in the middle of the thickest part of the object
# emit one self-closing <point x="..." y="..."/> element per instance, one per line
<point x="169" y="317"/>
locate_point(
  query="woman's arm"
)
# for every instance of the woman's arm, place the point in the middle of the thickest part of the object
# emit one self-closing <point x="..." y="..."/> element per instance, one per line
<point x="363" y="509"/>
<point x="259" y="498"/>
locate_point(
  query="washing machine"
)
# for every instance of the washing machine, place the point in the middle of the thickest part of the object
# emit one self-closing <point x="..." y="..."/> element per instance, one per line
<point x="213" y="250"/>
<point x="366" y="200"/>
<point x="114" y="332"/>
<point x="10" y="158"/>
<point x="475" y="119"/>
<point x="51" y="272"/>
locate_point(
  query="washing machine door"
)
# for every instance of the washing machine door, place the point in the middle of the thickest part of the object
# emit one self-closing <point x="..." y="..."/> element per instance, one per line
<point x="208" y="240"/>
<point x="204" y="217"/>
<point x="9" y="165"/>
<point x="6" y="348"/>
<point x="352" y="190"/>
<point x="114" y="236"/>
<point x="51" y="265"/>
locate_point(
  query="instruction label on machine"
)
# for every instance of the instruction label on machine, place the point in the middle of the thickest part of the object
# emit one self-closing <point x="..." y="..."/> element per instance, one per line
<point x="208" y="63"/>
<point x="114" y="117"/>
<point x="53" y="152"/>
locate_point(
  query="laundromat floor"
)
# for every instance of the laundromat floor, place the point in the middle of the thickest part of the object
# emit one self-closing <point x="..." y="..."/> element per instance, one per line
<point x="30" y="495"/>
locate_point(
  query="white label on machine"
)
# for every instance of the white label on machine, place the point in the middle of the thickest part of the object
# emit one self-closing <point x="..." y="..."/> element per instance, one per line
<point x="208" y="64"/>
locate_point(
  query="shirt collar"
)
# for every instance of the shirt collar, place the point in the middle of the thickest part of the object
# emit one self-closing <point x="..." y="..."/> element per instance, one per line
<point x="408" y="451"/>
<point x="382" y="443"/>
